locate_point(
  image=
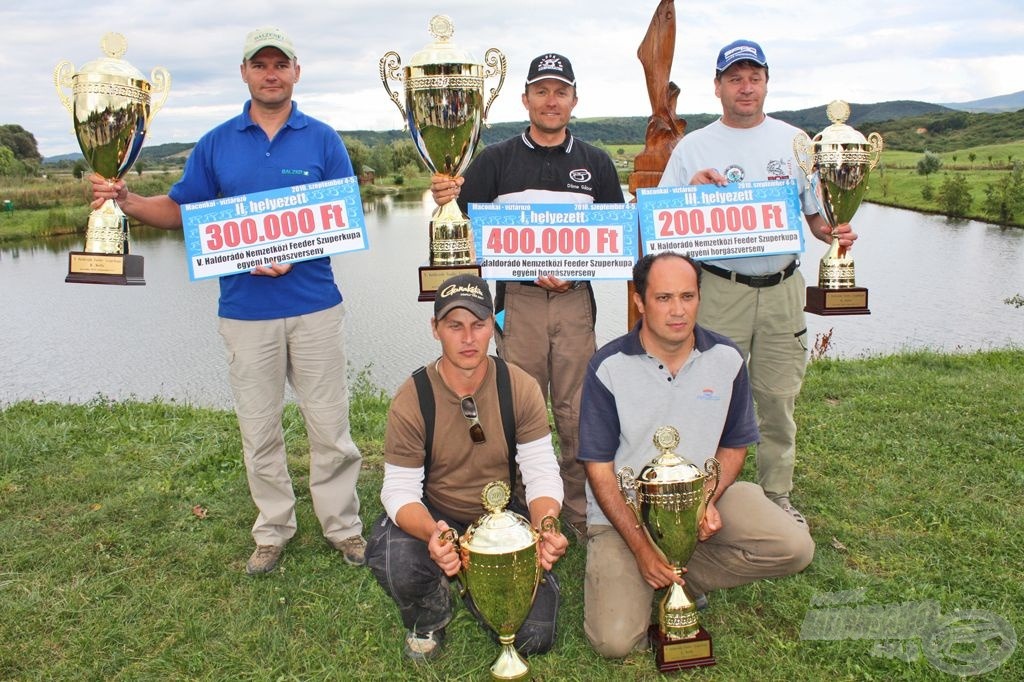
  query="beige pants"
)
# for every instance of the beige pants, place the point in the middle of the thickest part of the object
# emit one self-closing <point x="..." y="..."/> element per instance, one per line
<point x="757" y="540"/>
<point x="551" y="336"/>
<point x="308" y="352"/>
<point x="770" y="328"/>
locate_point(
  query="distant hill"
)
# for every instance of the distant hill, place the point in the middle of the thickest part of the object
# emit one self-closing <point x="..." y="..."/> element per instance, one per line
<point x="814" y="119"/>
<point x="905" y="124"/>
<point x="951" y="131"/>
<point x="157" y="153"/>
<point x="1011" y="102"/>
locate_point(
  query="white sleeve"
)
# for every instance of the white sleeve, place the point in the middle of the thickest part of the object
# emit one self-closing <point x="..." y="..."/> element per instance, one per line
<point x="402" y="486"/>
<point x="539" y="468"/>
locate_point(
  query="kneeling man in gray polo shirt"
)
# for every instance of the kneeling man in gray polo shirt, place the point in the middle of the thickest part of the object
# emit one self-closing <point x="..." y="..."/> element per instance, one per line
<point x="668" y="371"/>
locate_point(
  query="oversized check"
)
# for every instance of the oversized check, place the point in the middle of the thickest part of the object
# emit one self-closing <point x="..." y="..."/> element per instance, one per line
<point x="236" y="234"/>
<point x="569" y="241"/>
<point x="707" y="222"/>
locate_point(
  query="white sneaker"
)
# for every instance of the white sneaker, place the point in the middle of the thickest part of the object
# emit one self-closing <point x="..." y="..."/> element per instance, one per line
<point x="423" y="647"/>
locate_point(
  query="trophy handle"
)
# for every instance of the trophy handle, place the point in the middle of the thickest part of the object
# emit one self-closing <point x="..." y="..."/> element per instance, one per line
<point x="714" y="470"/>
<point x="875" y="151"/>
<point x="494" y="63"/>
<point x="160" y="80"/>
<point x="628" y="486"/>
<point x="62" y="80"/>
<point x="549" y="524"/>
<point x="451" y="536"/>
<point x="390" y="69"/>
<point x="802" y="151"/>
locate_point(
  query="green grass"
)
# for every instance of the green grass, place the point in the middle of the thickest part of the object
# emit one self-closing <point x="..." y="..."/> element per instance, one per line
<point x="124" y="530"/>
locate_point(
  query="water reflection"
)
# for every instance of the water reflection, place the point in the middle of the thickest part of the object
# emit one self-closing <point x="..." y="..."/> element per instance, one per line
<point x="933" y="284"/>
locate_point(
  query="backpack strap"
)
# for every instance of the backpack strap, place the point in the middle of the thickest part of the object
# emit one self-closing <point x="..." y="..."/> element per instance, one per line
<point x="425" y="394"/>
<point x="508" y="416"/>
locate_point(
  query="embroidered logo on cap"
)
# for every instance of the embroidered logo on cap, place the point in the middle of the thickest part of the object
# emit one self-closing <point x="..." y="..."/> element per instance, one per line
<point x="550" y="62"/>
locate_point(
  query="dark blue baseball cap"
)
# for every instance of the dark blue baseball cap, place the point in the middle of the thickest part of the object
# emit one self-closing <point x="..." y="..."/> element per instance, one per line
<point x="740" y="51"/>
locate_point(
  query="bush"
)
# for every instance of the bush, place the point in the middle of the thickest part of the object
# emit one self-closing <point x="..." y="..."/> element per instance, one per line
<point x="928" y="164"/>
<point x="954" y="196"/>
<point x="1004" y="200"/>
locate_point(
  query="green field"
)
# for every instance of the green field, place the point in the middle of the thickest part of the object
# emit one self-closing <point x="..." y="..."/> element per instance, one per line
<point x="125" y="530"/>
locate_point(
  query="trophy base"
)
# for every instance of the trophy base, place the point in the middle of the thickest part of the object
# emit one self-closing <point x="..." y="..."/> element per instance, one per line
<point x="433" y="276"/>
<point x="679" y="654"/>
<point x="851" y="301"/>
<point x="104" y="268"/>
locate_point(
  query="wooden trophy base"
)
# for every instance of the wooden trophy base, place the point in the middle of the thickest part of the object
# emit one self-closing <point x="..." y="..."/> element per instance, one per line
<point x="104" y="268"/>
<point x="432" y="276"/>
<point x="679" y="654"/>
<point x="852" y="301"/>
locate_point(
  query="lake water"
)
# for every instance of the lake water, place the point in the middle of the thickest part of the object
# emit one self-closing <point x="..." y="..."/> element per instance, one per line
<point x="933" y="284"/>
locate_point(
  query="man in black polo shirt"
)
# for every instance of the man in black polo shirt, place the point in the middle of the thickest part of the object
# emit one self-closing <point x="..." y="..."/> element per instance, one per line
<point x="548" y="325"/>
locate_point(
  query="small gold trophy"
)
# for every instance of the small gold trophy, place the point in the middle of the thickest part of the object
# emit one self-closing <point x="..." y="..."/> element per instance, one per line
<point x="111" y="109"/>
<point x="837" y="163"/>
<point x="501" y="570"/>
<point x="669" y="498"/>
<point x="445" y="113"/>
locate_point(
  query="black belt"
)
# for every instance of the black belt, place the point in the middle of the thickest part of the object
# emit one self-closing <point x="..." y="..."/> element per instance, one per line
<point x="756" y="281"/>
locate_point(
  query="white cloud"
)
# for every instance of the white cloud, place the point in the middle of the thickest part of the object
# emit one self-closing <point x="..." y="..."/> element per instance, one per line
<point x="874" y="51"/>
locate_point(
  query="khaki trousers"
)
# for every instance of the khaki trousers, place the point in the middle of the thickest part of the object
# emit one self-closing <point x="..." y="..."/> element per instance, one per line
<point x="757" y="540"/>
<point x="769" y="326"/>
<point x="308" y="352"/>
<point x="551" y="336"/>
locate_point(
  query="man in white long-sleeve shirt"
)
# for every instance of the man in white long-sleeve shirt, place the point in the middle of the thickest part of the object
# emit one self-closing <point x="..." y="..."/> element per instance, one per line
<point x="435" y="469"/>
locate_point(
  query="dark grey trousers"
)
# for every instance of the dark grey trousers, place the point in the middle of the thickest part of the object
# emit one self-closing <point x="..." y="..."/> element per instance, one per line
<point x="403" y="567"/>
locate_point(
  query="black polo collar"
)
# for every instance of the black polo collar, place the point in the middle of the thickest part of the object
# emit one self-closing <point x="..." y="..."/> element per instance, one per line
<point x="566" y="144"/>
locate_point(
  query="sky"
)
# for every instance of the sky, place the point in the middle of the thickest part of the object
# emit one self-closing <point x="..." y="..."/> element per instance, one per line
<point x="937" y="51"/>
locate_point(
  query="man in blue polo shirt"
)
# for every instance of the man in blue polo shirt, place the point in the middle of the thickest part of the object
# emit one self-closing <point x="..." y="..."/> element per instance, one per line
<point x="280" y="322"/>
<point x="668" y="371"/>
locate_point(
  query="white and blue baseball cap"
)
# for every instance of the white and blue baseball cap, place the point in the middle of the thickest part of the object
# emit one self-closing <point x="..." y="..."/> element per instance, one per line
<point x="740" y="51"/>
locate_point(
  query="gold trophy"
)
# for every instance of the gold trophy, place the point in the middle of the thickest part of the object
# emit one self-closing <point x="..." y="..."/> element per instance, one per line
<point x="445" y="112"/>
<point x="501" y="570"/>
<point x="837" y="163"/>
<point x="669" y="499"/>
<point x="111" y="108"/>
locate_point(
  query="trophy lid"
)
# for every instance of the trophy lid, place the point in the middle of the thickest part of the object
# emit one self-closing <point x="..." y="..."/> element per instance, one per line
<point x="668" y="467"/>
<point x="839" y="133"/>
<point x="499" y="531"/>
<point x="441" y="51"/>
<point x="114" y="45"/>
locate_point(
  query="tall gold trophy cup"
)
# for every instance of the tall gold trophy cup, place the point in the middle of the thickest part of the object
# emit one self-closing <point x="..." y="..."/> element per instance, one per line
<point x="837" y="162"/>
<point x="445" y="113"/>
<point x="111" y="108"/>
<point x="501" y="571"/>
<point x="669" y="498"/>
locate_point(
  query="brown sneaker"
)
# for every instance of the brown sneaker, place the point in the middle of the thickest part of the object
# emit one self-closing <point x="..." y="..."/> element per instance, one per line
<point x="787" y="507"/>
<point x="353" y="549"/>
<point x="264" y="559"/>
